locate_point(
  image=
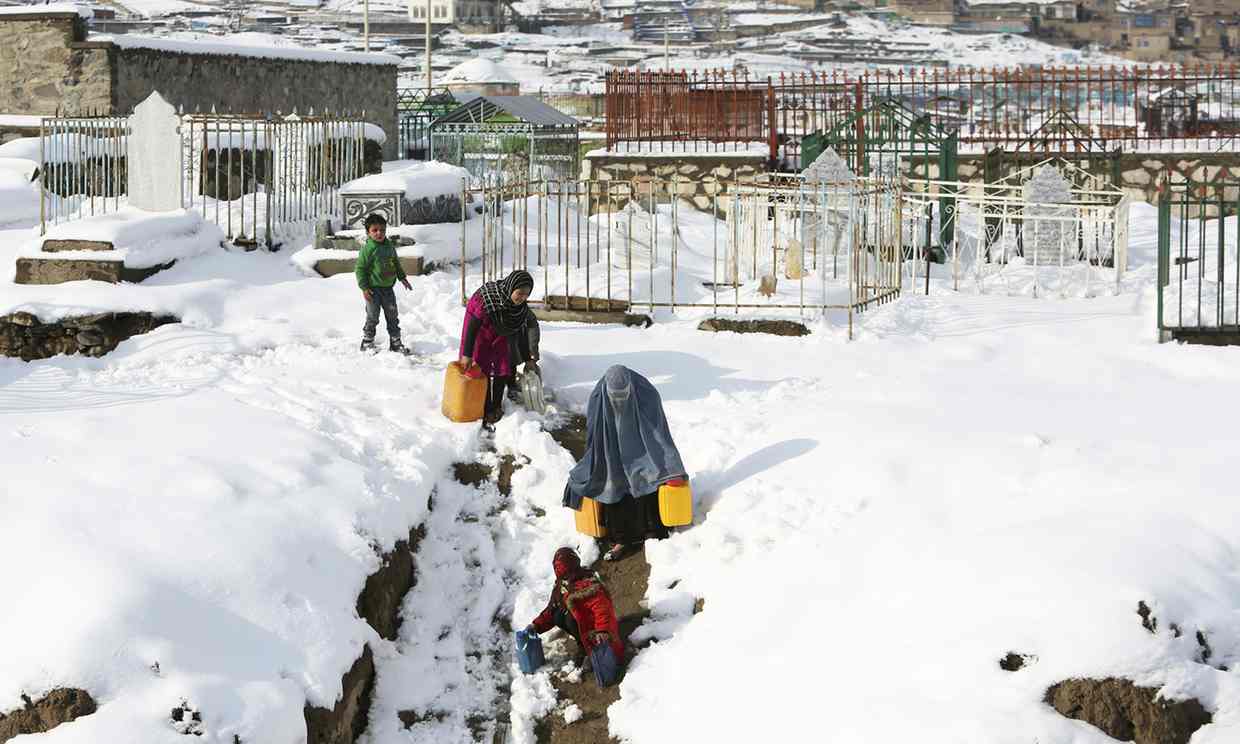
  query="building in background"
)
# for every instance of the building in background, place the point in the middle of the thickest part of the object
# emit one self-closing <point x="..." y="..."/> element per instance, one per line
<point x="64" y="71"/>
<point x="480" y="77"/>
<point x="466" y="16"/>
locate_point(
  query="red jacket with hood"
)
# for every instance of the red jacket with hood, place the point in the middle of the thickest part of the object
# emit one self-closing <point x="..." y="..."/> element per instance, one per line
<point x="586" y="598"/>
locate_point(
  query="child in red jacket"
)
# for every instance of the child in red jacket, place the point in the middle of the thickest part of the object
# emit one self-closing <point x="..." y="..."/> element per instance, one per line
<point x="580" y="606"/>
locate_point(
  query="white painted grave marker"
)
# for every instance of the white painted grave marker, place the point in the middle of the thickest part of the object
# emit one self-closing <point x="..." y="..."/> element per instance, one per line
<point x="154" y="145"/>
<point x="1049" y="236"/>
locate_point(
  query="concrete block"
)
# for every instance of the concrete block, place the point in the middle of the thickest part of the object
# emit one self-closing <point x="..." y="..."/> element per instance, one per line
<point x="61" y="270"/>
<point x="55" y="246"/>
<point x="413" y="266"/>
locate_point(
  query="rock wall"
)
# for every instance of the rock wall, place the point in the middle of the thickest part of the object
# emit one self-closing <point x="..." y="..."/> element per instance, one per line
<point x="46" y="66"/>
<point x="694" y="177"/>
<point x="61" y="705"/>
<point x="23" y="335"/>
<point x="248" y="84"/>
<point x="1141" y="172"/>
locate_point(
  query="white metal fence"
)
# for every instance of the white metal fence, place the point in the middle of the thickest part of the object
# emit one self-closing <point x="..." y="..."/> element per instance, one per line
<point x="993" y="238"/>
<point x="769" y="246"/>
<point x="254" y="176"/>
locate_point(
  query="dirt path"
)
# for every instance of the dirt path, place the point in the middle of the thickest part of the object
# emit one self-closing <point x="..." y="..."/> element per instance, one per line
<point x="626" y="579"/>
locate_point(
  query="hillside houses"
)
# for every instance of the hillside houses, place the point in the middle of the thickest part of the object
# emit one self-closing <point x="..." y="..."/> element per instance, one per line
<point x="1172" y="31"/>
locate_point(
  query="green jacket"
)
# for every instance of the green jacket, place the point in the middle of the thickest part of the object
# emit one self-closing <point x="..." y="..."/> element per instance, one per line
<point x="378" y="265"/>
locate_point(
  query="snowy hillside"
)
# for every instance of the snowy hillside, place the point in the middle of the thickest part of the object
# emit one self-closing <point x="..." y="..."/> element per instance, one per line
<point x="190" y="519"/>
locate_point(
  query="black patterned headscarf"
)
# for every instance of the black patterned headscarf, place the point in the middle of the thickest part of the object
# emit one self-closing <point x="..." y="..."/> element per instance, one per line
<point x="507" y="316"/>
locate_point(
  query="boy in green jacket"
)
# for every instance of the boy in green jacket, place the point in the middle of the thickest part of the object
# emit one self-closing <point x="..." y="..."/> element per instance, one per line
<point x="378" y="269"/>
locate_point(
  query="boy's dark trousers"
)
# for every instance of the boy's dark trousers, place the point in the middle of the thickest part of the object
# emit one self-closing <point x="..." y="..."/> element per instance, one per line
<point x="381" y="298"/>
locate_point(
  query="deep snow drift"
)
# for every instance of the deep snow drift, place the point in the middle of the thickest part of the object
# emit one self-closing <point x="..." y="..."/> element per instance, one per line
<point x="878" y="522"/>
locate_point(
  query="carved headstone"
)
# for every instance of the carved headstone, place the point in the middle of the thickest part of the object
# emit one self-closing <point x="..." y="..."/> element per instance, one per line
<point x="154" y="176"/>
<point x="1048" y="235"/>
<point x="829" y="167"/>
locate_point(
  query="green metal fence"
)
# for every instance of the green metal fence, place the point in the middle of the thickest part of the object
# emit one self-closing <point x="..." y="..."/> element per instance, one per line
<point x="1199" y="262"/>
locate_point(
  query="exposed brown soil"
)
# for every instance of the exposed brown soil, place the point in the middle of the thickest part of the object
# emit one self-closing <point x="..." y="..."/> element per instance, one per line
<point x="570" y="433"/>
<point x="379" y="605"/>
<point x="477" y="473"/>
<point x="61" y="705"/>
<point x="1014" y="662"/>
<point x="1148" y="621"/>
<point x="347" y="719"/>
<point x="626" y="580"/>
<point x="1126" y="712"/>
<point x="772" y="327"/>
<point x="379" y="602"/>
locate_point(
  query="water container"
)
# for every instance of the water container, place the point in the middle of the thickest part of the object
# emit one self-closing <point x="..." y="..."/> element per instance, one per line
<point x="529" y="651"/>
<point x="464" y="393"/>
<point x="606" y="665"/>
<point x="589" y="518"/>
<point x="676" y="503"/>
<point x="532" y="392"/>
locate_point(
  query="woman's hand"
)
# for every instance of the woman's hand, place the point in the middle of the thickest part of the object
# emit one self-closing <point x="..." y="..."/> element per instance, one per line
<point x="465" y="362"/>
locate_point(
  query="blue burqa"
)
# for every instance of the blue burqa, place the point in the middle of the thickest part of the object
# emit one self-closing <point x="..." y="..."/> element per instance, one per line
<point x="629" y="450"/>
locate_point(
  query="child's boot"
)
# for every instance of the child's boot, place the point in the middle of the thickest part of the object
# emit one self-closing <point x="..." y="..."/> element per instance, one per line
<point x="398" y="347"/>
<point x="368" y="344"/>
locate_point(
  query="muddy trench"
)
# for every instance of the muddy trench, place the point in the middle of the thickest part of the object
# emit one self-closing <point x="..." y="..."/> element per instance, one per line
<point x="380" y="601"/>
<point x="379" y="605"/>
<point x="627" y="580"/>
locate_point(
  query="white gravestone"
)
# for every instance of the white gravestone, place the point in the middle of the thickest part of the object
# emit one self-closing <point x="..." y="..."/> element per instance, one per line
<point x="1047" y="240"/>
<point x="154" y="177"/>
<point x="829" y="167"/>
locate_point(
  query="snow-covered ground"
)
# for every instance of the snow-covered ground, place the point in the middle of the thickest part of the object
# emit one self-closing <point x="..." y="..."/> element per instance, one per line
<point x="877" y="522"/>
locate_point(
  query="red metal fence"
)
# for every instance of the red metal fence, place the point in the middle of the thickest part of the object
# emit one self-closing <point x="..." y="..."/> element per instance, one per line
<point x="1188" y="109"/>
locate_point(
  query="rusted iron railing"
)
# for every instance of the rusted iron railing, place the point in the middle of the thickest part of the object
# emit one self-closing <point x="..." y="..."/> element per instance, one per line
<point x="1044" y="109"/>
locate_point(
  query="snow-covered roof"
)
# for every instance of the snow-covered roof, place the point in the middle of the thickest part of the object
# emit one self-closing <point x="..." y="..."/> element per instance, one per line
<point x="49" y="9"/>
<point x="244" y="45"/>
<point x="479" y="70"/>
<point x="1014" y="2"/>
<point x="525" y="108"/>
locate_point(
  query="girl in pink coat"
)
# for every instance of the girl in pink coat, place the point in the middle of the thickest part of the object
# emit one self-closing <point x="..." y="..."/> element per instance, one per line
<point x="494" y="335"/>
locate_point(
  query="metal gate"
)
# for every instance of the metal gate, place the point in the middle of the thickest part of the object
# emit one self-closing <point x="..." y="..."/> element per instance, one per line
<point x="1199" y="262"/>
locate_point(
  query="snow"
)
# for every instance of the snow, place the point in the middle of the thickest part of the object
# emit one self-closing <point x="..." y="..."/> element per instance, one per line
<point x="478" y="70"/>
<point x="19" y="196"/>
<point x="155" y="8"/>
<point x="140" y="239"/>
<point x="1013" y="2"/>
<point x="22" y="148"/>
<point x="416" y="181"/>
<point x="877" y="522"/>
<point x="702" y="149"/>
<point x="47" y="9"/>
<point x="20" y="120"/>
<point x="264" y="46"/>
<point x="774" y="19"/>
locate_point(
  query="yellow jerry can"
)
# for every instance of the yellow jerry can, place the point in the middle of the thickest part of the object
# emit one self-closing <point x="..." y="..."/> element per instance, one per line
<point x="676" y="503"/>
<point x="464" y="393"/>
<point x="589" y="518"/>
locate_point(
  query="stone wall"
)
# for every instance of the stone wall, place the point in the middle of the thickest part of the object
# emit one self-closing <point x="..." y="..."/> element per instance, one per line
<point x="46" y="66"/>
<point x="691" y="176"/>
<point x="249" y="84"/>
<point x="1140" y="172"/>
<point x="24" y="336"/>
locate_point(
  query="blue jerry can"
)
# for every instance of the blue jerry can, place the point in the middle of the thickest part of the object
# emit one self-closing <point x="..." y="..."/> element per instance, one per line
<point x="529" y="651"/>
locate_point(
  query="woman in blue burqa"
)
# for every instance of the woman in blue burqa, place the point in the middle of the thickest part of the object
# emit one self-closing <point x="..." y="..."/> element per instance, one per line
<point x="629" y="454"/>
